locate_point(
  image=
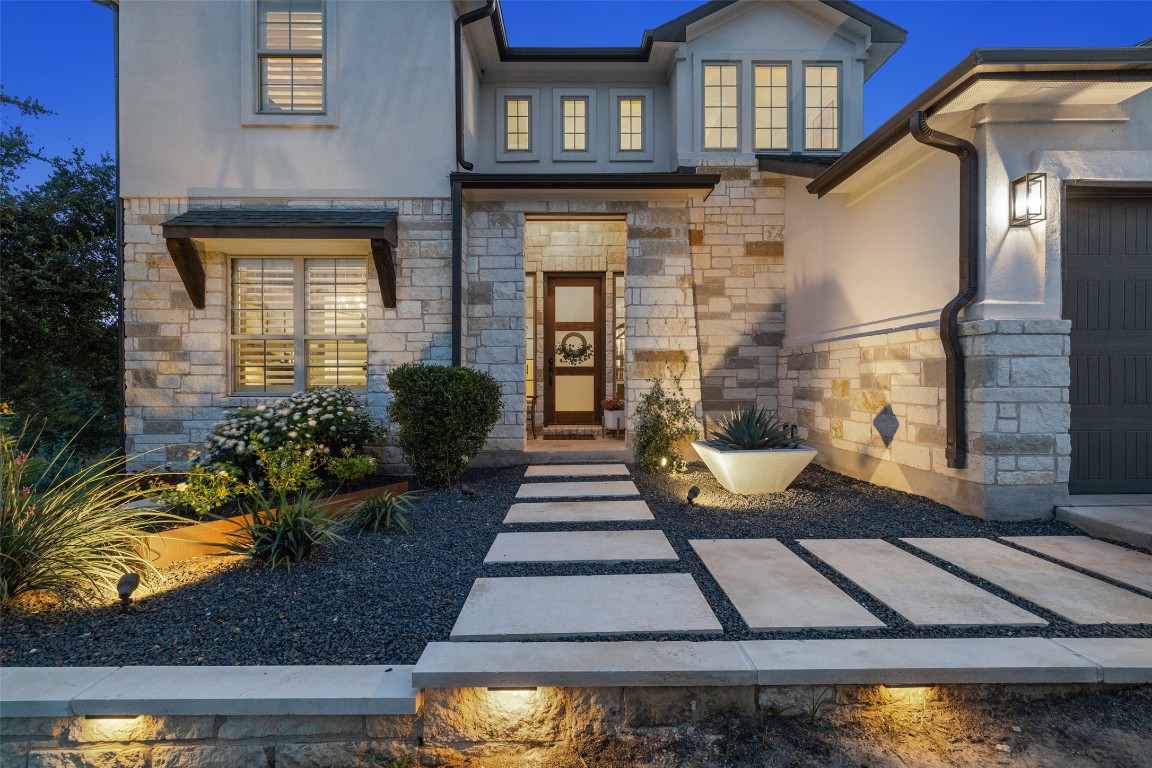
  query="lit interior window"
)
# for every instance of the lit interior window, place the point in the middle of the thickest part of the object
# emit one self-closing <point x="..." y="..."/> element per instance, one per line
<point x="291" y="55"/>
<point x="721" y="106"/>
<point x="771" y="106"/>
<point x="631" y="125"/>
<point x="821" y="107"/>
<point x="517" y="129"/>
<point x="575" y="125"/>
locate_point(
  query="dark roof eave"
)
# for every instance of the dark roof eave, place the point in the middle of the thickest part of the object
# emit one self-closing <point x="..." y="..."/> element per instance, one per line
<point x="280" y="223"/>
<point x="571" y="181"/>
<point x="1091" y="63"/>
<point x="803" y="166"/>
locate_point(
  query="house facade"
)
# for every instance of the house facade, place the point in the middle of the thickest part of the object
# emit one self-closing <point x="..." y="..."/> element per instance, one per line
<point x="316" y="191"/>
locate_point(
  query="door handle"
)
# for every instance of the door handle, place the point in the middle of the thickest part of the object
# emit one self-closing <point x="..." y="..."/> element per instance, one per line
<point x="551" y="369"/>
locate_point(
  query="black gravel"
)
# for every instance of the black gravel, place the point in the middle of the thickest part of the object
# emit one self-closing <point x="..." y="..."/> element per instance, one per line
<point x="380" y="598"/>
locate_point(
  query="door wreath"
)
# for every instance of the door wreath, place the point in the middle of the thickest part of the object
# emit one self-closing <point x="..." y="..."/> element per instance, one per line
<point x="574" y="352"/>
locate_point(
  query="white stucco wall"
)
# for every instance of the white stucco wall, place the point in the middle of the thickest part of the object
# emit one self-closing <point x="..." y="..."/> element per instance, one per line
<point x="390" y="80"/>
<point x="887" y="260"/>
<point x="792" y="33"/>
<point x="1023" y="264"/>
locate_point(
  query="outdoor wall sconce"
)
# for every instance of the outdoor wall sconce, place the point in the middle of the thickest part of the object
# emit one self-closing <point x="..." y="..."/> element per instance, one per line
<point x="1028" y="195"/>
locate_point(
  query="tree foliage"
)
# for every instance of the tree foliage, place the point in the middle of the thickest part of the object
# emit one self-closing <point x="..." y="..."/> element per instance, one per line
<point x="58" y="287"/>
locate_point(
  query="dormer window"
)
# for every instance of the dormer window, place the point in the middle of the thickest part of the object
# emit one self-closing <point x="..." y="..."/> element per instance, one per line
<point x="822" y="107"/>
<point x="290" y="54"/>
<point x="770" y="107"/>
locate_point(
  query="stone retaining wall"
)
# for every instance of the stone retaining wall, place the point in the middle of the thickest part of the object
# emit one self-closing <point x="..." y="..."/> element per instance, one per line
<point x="874" y="406"/>
<point x="474" y="727"/>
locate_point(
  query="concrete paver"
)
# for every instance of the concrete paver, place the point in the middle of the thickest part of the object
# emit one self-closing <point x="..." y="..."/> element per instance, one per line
<point x="775" y="590"/>
<point x="917" y="590"/>
<point x="538" y="607"/>
<point x="577" y="511"/>
<point x="1073" y="595"/>
<point x="1128" y="523"/>
<point x="576" y="470"/>
<point x="577" y="490"/>
<point x="580" y="547"/>
<point x="1125" y="660"/>
<point x="1118" y="563"/>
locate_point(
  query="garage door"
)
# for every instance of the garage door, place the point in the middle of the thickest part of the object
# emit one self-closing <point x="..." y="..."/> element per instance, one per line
<point x="1108" y="298"/>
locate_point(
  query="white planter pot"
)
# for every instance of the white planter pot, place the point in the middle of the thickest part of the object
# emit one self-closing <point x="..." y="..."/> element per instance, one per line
<point x="614" y="420"/>
<point x="751" y="472"/>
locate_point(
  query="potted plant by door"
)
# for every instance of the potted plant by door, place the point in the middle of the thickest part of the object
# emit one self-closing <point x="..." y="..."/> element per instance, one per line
<point x="613" y="414"/>
<point x="752" y="451"/>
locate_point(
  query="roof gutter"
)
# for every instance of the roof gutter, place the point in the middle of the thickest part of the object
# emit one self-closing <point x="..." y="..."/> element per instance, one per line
<point x="462" y="21"/>
<point x="956" y="448"/>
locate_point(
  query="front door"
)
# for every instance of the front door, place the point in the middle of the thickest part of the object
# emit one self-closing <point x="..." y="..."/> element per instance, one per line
<point x="1108" y="298"/>
<point x="573" y="349"/>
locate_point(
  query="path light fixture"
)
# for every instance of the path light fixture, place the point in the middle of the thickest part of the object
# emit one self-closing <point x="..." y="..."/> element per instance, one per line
<point x="1027" y="201"/>
<point x="125" y="587"/>
<point x="693" y="492"/>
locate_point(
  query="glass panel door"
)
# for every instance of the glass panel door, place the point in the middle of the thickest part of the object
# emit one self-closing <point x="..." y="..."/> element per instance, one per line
<point x="574" y="333"/>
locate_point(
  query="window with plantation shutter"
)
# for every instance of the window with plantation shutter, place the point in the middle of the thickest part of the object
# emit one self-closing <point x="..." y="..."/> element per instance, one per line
<point x="299" y="323"/>
<point x="290" y="53"/>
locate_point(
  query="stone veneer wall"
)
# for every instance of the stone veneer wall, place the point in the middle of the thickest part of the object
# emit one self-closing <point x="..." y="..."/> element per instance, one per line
<point x="737" y="237"/>
<point x="874" y="406"/>
<point x="470" y="727"/>
<point x="176" y="356"/>
<point x="661" y="318"/>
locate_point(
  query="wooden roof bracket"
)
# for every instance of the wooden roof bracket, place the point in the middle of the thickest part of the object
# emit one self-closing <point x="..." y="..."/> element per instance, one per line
<point x="190" y="267"/>
<point x="385" y="270"/>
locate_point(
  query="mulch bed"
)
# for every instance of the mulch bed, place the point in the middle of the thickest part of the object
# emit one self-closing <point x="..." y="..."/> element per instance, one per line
<point x="380" y="598"/>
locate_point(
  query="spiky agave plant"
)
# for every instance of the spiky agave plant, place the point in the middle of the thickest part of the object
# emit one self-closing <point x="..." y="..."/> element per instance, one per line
<point x="63" y="527"/>
<point x="752" y="429"/>
<point x="381" y="513"/>
<point x="280" y="531"/>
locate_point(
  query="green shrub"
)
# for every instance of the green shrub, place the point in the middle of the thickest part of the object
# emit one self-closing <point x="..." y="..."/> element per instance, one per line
<point x="278" y="532"/>
<point x="348" y="468"/>
<point x="443" y="417"/>
<point x="289" y="468"/>
<point x="63" y="527"/>
<point x="661" y="420"/>
<point x="752" y="429"/>
<point x="381" y="513"/>
<point x="327" y="420"/>
<point x="203" y="491"/>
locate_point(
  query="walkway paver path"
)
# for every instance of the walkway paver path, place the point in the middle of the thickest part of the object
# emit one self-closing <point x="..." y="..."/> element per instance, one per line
<point x="580" y="547"/>
<point x="774" y="589"/>
<point x="1073" y="595"/>
<point x="578" y="490"/>
<point x="577" y="511"/>
<point x="539" y="607"/>
<point x="576" y="470"/>
<point x="917" y="590"/>
<point x="1109" y="560"/>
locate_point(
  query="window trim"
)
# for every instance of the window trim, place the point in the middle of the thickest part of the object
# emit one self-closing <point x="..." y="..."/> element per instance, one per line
<point x="704" y="106"/>
<point x="299" y="335"/>
<point x="251" y="115"/>
<point x="789" y="106"/>
<point x="839" y="66"/>
<point x="647" y="122"/>
<point x="532" y="154"/>
<point x="591" y="151"/>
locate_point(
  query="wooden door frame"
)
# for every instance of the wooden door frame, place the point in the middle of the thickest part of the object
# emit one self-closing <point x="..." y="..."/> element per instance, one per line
<point x="598" y="354"/>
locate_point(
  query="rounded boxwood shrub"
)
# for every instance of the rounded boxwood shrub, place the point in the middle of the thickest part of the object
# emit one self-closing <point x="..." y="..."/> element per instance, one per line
<point x="442" y="417"/>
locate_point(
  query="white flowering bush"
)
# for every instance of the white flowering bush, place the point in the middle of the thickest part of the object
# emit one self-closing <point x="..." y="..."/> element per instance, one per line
<point x="327" y="422"/>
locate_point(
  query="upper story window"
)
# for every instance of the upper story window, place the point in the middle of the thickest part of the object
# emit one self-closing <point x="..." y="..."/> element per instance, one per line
<point x="631" y="112"/>
<point x="771" y="106"/>
<point x="575" y="124"/>
<point x="721" y="106"/>
<point x="821" y="106"/>
<point x="517" y="124"/>
<point x="290" y="53"/>
<point x="298" y="323"/>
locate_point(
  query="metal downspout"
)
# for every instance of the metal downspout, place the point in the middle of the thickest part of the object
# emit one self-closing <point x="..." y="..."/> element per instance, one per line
<point x="457" y="200"/>
<point x="969" y="265"/>
<point x="121" y="403"/>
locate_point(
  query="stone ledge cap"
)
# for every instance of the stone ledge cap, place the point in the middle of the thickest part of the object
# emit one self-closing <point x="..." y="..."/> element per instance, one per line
<point x="45" y="691"/>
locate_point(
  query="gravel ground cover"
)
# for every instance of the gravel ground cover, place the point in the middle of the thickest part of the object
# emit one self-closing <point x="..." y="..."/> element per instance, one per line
<point x="380" y="598"/>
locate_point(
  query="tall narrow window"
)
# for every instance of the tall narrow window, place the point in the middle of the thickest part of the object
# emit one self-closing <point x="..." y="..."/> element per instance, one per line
<point x="575" y="125"/>
<point x="721" y="106"/>
<point x="518" y="130"/>
<point x="631" y="125"/>
<point x="299" y="323"/>
<point x="291" y="55"/>
<point x="771" y="106"/>
<point x="530" y="335"/>
<point x="821" y="106"/>
<point x="619" y="337"/>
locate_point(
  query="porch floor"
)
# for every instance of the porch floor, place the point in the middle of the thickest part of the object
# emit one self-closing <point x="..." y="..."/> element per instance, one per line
<point x="541" y="451"/>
